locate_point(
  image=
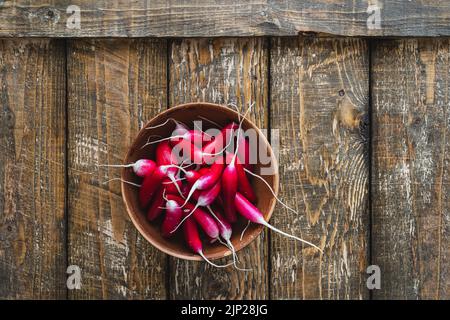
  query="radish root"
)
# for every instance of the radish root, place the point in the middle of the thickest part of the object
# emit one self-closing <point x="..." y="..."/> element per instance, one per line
<point x="245" y="229"/>
<point x="271" y="190"/>
<point x="212" y="263"/>
<point x="124" y="181"/>
<point x="266" y="224"/>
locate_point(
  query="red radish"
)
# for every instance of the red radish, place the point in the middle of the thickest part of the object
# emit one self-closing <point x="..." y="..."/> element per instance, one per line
<point x="151" y="183"/>
<point x="164" y="156"/>
<point x="244" y="153"/>
<point x="224" y="226"/>
<point x="195" y="137"/>
<point x="230" y="181"/>
<point x="155" y="209"/>
<point x="172" y="218"/>
<point x="225" y="232"/>
<point x="192" y="136"/>
<point x="141" y="168"/>
<point x="229" y="190"/>
<point x="193" y="240"/>
<point x="221" y="140"/>
<point x="206" y="197"/>
<point x="250" y="212"/>
<point x="170" y="186"/>
<point x="244" y="185"/>
<point x="206" y="222"/>
<point x="185" y="150"/>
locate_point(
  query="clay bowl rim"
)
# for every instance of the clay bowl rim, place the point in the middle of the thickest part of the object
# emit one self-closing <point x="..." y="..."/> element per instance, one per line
<point x="249" y="237"/>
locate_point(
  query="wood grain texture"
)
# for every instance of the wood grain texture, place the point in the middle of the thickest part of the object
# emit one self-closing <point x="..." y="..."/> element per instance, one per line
<point x="32" y="171"/>
<point x="114" y="87"/>
<point x="319" y="103"/>
<point x="210" y="18"/>
<point x="222" y="71"/>
<point x="411" y="177"/>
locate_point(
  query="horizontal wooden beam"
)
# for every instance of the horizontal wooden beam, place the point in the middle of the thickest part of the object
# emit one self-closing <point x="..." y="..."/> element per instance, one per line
<point x="209" y="18"/>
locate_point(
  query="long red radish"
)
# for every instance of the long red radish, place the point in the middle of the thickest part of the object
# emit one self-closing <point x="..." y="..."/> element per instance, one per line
<point x="206" y="222"/>
<point x="165" y="156"/>
<point x="250" y="212"/>
<point x="152" y="182"/>
<point x="195" y="137"/>
<point x="157" y="201"/>
<point x="221" y="140"/>
<point x="226" y="232"/>
<point x="207" y="180"/>
<point x="229" y="190"/>
<point x="192" y="238"/>
<point x="172" y="218"/>
<point x="244" y="153"/>
<point x="170" y="186"/>
<point x="230" y="180"/>
<point x="244" y="185"/>
<point x="141" y="168"/>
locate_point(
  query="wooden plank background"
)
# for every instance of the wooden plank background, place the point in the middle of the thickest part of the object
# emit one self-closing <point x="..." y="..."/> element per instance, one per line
<point x="411" y="195"/>
<point x="366" y="196"/>
<point x="319" y="100"/>
<point x="32" y="169"/>
<point x="210" y="18"/>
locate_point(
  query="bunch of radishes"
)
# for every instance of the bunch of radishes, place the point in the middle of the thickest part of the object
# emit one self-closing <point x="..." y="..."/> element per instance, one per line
<point x="200" y="182"/>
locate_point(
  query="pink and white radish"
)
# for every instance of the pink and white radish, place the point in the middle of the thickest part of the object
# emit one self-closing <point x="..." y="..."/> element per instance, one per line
<point x="250" y="212"/>
<point x="173" y="216"/>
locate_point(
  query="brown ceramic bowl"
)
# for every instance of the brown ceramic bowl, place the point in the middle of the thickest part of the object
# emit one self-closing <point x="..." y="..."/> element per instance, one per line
<point x="176" y="246"/>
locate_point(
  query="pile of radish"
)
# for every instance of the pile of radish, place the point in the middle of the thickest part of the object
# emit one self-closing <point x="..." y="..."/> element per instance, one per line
<point x="200" y="185"/>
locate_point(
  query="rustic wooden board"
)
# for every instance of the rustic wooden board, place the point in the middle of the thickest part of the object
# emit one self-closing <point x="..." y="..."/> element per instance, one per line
<point x="32" y="170"/>
<point x="114" y="87"/>
<point x="222" y="71"/>
<point x="319" y="104"/>
<point x="209" y="18"/>
<point x="411" y="177"/>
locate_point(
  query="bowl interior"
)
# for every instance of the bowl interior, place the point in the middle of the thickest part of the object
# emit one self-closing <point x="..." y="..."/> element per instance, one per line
<point x="150" y="230"/>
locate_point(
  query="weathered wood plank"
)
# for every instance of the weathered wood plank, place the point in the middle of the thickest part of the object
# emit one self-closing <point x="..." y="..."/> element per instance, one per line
<point x="123" y="18"/>
<point x="114" y="87"/>
<point x="411" y="177"/>
<point x="32" y="170"/>
<point x="319" y="103"/>
<point x="222" y="71"/>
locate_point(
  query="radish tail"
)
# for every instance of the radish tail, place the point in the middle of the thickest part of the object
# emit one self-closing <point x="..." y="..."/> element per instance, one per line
<point x="116" y="165"/>
<point x="271" y="190"/>
<point x="184" y="219"/>
<point x="161" y="140"/>
<point x="212" y="263"/>
<point x="245" y="229"/>
<point x="235" y="257"/>
<point x="210" y="121"/>
<point x="191" y="192"/>
<point x="221" y="151"/>
<point x="164" y="123"/>
<point x="215" y="217"/>
<point x="124" y="181"/>
<point x="290" y="235"/>
<point x="174" y="181"/>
